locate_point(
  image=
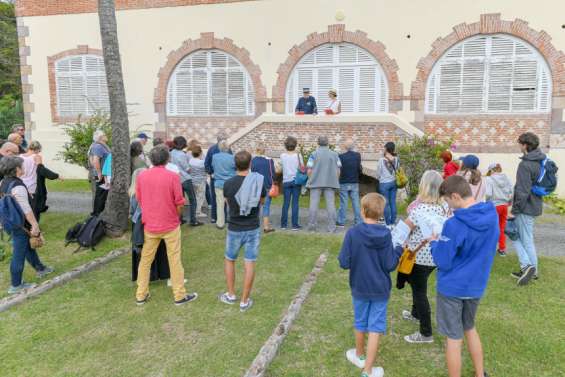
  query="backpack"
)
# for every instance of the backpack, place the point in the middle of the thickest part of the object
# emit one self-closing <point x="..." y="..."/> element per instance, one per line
<point x="87" y="234"/>
<point x="547" y="179"/>
<point x="11" y="214"/>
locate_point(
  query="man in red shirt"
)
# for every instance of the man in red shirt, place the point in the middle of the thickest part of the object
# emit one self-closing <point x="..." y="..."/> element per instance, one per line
<point x="160" y="197"/>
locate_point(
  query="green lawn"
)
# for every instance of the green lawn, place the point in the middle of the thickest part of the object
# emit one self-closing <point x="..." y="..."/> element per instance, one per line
<point x="54" y="227"/>
<point x="522" y="329"/>
<point x="69" y="185"/>
<point x="92" y="327"/>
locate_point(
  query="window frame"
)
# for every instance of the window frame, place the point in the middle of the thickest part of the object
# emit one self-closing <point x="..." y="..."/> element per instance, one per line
<point x="380" y="84"/>
<point x="209" y="69"/>
<point x="543" y="78"/>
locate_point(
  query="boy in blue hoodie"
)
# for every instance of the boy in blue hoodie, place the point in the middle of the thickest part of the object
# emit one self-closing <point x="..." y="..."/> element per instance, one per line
<point x="464" y="254"/>
<point x="369" y="255"/>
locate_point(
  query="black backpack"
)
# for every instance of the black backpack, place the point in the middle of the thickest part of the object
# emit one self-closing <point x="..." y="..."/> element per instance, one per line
<point x="547" y="179"/>
<point x="87" y="234"/>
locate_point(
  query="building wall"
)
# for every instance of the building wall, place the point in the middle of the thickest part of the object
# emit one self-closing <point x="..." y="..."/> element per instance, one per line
<point x="268" y="30"/>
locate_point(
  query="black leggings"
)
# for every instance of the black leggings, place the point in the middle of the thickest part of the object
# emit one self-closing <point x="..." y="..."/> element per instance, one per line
<point x="418" y="280"/>
<point x="189" y="190"/>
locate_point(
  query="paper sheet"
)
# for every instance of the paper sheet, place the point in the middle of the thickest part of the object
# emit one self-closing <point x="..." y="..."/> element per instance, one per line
<point x="400" y="233"/>
<point x="431" y="224"/>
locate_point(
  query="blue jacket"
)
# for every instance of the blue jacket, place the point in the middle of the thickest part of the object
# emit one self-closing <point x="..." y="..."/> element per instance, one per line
<point x="465" y="251"/>
<point x="223" y="166"/>
<point x="208" y="160"/>
<point x="351" y="168"/>
<point x="368" y="253"/>
<point x="308" y="105"/>
<point x="265" y="167"/>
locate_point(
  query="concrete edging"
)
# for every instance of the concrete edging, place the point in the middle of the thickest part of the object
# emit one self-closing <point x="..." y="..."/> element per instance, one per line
<point x="8" y="302"/>
<point x="269" y="350"/>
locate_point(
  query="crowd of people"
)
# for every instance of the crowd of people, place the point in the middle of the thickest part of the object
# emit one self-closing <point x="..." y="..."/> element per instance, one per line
<point x="237" y="189"/>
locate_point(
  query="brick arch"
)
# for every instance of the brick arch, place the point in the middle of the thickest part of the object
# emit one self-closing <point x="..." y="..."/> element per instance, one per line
<point x="337" y="34"/>
<point x="489" y="24"/>
<point x="205" y="42"/>
<point x="51" y="60"/>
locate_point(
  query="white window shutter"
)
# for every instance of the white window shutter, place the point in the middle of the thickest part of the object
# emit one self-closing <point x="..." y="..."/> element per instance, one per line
<point x="352" y="71"/>
<point x="489" y="74"/>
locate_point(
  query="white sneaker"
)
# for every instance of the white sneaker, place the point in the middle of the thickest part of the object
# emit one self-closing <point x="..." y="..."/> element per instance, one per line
<point x="378" y="372"/>
<point x="418" y="338"/>
<point x="169" y="284"/>
<point x="407" y="315"/>
<point x="351" y="355"/>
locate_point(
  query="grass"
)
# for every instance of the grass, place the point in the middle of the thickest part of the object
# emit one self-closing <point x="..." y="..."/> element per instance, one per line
<point x="69" y="185"/>
<point x="522" y="329"/>
<point x="54" y="227"/>
<point x="91" y="326"/>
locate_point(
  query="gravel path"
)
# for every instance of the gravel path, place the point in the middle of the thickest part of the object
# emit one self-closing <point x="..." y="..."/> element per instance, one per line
<point x="549" y="230"/>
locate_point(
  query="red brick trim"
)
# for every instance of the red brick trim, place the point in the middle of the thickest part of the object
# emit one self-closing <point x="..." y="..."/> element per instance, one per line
<point x="337" y="34"/>
<point x="52" y="7"/>
<point x="490" y="24"/>
<point x="205" y="42"/>
<point x="51" y="60"/>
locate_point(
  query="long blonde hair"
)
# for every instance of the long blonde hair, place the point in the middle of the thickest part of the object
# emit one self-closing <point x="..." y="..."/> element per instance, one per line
<point x="134" y="176"/>
<point x="428" y="191"/>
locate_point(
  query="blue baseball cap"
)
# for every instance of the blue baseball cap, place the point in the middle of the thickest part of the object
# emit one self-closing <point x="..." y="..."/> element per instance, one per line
<point x="143" y="135"/>
<point x="470" y="161"/>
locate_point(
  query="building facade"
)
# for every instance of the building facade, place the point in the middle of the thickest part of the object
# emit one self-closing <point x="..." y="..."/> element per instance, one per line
<point x="479" y="72"/>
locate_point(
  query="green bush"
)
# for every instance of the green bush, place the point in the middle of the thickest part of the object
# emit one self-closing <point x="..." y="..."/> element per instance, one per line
<point x="80" y="134"/>
<point x="557" y="204"/>
<point x="11" y="112"/>
<point x="419" y="154"/>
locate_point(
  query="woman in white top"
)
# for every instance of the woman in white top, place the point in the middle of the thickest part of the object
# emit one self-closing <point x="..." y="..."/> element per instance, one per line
<point x="430" y="209"/>
<point x="290" y="162"/>
<point x="469" y="170"/>
<point x="334" y="105"/>
<point x="32" y="159"/>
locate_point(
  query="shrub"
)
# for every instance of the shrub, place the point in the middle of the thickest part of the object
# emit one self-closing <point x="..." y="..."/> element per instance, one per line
<point x="11" y="112"/>
<point x="557" y="204"/>
<point x="75" y="151"/>
<point x="419" y="154"/>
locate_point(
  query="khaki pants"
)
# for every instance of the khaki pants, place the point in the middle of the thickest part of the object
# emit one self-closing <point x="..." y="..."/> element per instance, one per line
<point x="220" y="203"/>
<point x="200" y="193"/>
<point x="173" y="242"/>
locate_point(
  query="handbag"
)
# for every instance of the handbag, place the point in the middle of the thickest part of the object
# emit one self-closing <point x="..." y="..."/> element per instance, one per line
<point x="400" y="175"/>
<point x="511" y="229"/>
<point x="301" y="177"/>
<point x="408" y="259"/>
<point x="275" y="190"/>
<point x="35" y="242"/>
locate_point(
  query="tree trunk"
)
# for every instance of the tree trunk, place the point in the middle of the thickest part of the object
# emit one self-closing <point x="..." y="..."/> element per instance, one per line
<point x="115" y="214"/>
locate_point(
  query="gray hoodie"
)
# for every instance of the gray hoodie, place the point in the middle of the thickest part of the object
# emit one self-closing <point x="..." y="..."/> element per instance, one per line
<point x="499" y="189"/>
<point x="525" y="202"/>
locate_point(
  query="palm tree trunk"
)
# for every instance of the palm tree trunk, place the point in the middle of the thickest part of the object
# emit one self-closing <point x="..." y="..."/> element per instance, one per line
<point x="115" y="214"/>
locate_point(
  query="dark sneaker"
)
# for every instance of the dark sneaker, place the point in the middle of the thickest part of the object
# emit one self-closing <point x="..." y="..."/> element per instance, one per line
<point x="516" y="275"/>
<point x="245" y="307"/>
<point x="527" y="275"/>
<point x="46" y="271"/>
<point x="196" y="223"/>
<point x="143" y="301"/>
<point x="188" y="298"/>
<point x="296" y="228"/>
<point x="226" y="299"/>
<point x="418" y="338"/>
<point x="340" y="225"/>
<point x="501" y="253"/>
<point x="535" y="277"/>
<point x="20" y="288"/>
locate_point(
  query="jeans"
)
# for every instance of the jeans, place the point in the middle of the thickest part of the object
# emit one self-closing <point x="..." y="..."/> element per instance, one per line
<point x="22" y="251"/>
<point x="524" y="245"/>
<point x="329" y="196"/>
<point x="188" y="188"/>
<point x="247" y="239"/>
<point x="212" y="189"/>
<point x="291" y="192"/>
<point x="418" y="280"/>
<point x="267" y="206"/>
<point x="346" y="191"/>
<point x="388" y="190"/>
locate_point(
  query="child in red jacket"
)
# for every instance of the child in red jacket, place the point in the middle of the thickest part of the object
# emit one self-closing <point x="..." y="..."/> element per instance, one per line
<point x="450" y="168"/>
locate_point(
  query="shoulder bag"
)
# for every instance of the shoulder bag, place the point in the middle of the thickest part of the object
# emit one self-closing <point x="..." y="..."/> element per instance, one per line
<point x="301" y="177"/>
<point x="275" y="190"/>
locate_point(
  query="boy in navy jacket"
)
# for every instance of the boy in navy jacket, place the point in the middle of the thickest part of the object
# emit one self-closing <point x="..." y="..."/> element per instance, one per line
<point x="369" y="255"/>
<point x="464" y="254"/>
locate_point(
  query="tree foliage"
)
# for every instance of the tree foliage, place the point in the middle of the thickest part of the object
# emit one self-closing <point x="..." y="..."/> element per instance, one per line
<point x="80" y="134"/>
<point x="419" y="154"/>
<point x="10" y="82"/>
<point x="11" y="112"/>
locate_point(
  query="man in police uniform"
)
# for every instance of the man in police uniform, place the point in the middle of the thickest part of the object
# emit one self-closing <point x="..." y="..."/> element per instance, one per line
<point x="307" y="103"/>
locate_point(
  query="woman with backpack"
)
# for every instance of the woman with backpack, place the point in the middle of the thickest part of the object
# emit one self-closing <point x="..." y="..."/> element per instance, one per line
<point x="13" y="188"/>
<point x="386" y="176"/>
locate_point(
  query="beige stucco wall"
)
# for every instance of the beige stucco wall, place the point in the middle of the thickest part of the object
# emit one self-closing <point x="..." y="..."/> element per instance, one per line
<point x="147" y="37"/>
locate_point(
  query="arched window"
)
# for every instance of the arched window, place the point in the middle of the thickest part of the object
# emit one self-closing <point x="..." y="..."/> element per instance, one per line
<point x="355" y="74"/>
<point x="210" y="83"/>
<point x="81" y="86"/>
<point x="489" y="74"/>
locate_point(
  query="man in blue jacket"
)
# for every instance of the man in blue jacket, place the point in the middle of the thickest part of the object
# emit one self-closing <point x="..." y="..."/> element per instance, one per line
<point x="210" y="170"/>
<point x="307" y="103"/>
<point x="464" y="254"/>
